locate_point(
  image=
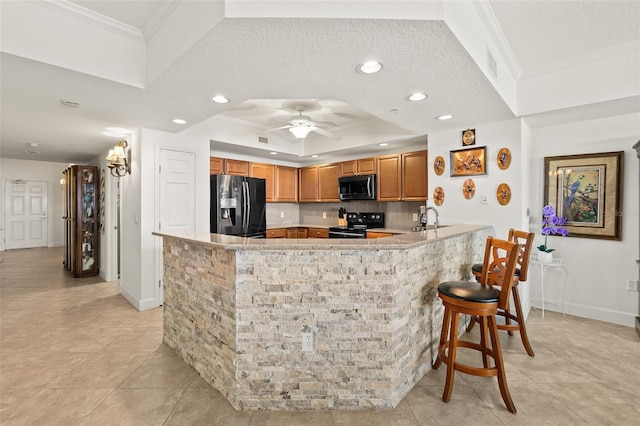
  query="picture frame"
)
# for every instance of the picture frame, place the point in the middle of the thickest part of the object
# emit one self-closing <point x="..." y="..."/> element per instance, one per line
<point x="586" y="189"/>
<point x="468" y="161"/>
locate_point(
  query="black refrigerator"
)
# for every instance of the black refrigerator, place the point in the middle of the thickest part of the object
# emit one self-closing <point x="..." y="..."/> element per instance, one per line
<point x="238" y="206"/>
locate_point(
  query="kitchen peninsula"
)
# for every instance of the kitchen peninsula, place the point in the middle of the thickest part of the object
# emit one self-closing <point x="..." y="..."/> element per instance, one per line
<point x="235" y="309"/>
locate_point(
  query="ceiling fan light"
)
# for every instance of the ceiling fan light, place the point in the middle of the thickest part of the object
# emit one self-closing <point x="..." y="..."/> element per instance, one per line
<point x="300" y="132"/>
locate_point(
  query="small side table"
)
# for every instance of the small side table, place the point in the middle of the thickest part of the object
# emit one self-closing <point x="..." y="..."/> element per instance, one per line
<point x="555" y="263"/>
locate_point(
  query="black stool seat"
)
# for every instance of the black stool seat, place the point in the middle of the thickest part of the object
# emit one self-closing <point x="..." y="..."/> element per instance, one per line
<point x="477" y="268"/>
<point x="470" y="291"/>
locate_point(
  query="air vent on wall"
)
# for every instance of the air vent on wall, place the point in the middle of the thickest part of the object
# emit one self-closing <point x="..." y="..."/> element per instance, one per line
<point x="492" y="66"/>
<point x="262" y="139"/>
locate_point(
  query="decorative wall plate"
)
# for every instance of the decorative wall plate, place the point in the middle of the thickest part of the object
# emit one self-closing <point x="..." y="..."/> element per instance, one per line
<point x="438" y="196"/>
<point x="504" y="158"/>
<point x="469" y="189"/>
<point x="438" y="165"/>
<point x="503" y="194"/>
<point x="469" y="137"/>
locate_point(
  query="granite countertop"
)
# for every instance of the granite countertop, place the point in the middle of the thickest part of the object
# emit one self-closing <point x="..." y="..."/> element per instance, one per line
<point x="401" y="240"/>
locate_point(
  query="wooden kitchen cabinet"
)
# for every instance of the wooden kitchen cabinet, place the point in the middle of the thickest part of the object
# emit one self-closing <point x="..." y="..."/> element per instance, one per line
<point x="328" y="175"/>
<point x="373" y="234"/>
<point x="277" y="233"/>
<point x="402" y="177"/>
<point x="319" y="183"/>
<point x="226" y="166"/>
<point x="308" y="187"/>
<point x="296" y="232"/>
<point x="363" y="166"/>
<point x="389" y="178"/>
<point x="266" y="172"/>
<point x="414" y="176"/>
<point x="286" y="184"/>
<point x="216" y="166"/>
<point x="317" y="233"/>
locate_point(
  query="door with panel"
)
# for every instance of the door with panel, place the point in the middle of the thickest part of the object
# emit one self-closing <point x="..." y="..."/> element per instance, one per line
<point x="26" y="221"/>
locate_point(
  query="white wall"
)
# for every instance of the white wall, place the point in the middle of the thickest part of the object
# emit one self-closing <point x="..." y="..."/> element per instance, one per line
<point x="596" y="270"/>
<point x="139" y="249"/>
<point x="41" y="171"/>
<point x="108" y="234"/>
<point x="456" y="208"/>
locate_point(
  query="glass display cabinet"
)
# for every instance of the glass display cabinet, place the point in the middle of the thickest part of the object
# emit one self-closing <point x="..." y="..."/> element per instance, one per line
<point x="81" y="234"/>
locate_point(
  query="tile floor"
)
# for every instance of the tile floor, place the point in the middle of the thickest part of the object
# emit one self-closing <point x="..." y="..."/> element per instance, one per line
<point x="73" y="351"/>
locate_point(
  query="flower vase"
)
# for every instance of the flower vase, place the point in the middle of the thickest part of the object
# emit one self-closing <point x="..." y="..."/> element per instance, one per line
<point x="545" y="257"/>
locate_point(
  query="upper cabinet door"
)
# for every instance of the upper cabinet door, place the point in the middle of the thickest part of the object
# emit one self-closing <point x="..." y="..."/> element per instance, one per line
<point x="266" y="172"/>
<point x="236" y="167"/>
<point x="216" y="166"/>
<point x="286" y="184"/>
<point x="389" y="178"/>
<point x="367" y="166"/>
<point x="414" y="176"/>
<point x="328" y="182"/>
<point x="308" y="190"/>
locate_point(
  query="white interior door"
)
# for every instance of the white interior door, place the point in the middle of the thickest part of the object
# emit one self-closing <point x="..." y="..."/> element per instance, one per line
<point x="25" y="214"/>
<point x="177" y="199"/>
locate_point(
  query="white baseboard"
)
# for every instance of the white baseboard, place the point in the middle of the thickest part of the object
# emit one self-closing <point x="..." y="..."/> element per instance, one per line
<point x="55" y="244"/>
<point x="141" y="305"/>
<point x="608" y="315"/>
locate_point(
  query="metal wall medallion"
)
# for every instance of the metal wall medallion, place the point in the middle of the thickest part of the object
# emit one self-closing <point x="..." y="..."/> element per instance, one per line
<point x="469" y="189"/>
<point x="503" y="194"/>
<point x="438" y="165"/>
<point x="438" y="196"/>
<point x="504" y="158"/>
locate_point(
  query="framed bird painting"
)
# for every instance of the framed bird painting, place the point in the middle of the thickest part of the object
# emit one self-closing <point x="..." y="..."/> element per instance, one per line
<point x="586" y="189"/>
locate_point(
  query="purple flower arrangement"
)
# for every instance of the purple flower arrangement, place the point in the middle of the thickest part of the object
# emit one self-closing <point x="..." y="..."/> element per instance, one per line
<point x="551" y="225"/>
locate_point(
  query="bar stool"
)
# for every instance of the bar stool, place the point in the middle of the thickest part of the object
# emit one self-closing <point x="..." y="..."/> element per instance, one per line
<point x="525" y="239"/>
<point x="483" y="301"/>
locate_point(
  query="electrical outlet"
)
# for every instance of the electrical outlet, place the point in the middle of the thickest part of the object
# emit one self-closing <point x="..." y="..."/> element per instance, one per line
<point x="281" y="214"/>
<point x="415" y="217"/>
<point x="484" y="199"/>
<point x="324" y="215"/>
<point x="632" y="285"/>
<point x="307" y="341"/>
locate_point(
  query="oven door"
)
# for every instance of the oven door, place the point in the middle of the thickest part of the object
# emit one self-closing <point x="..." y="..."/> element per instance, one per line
<point x="347" y="233"/>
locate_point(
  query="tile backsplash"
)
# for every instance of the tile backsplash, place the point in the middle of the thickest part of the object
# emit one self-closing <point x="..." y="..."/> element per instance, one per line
<point x="397" y="214"/>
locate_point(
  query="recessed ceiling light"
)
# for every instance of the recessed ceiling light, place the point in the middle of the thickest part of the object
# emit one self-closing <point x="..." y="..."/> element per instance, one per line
<point x="444" y="117"/>
<point x="179" y="121"/>
<point x="273" y="153"/>
<point x="383" y="144"/>
<point x="31" y="151"/>
<point x="314" y="156"/>
<point x="219" y="99"/>
<point x="70" y="104"/>
<point x="369" y="67"/>
<point x="33" y="144"/>
<point x="417" y="97"/>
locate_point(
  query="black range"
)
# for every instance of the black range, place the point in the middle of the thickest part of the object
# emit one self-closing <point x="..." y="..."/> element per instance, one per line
<point x="357" y="225"/>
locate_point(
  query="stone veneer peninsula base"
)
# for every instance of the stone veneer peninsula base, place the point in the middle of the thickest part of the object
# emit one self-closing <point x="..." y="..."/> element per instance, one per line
<point x="235" y="309"/>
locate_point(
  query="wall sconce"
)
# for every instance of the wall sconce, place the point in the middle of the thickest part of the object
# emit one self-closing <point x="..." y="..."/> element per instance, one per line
<point x="120" y="159"/>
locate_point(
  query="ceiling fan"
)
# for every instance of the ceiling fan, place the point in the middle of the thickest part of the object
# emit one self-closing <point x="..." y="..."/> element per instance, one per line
<point x="300" y="126"/>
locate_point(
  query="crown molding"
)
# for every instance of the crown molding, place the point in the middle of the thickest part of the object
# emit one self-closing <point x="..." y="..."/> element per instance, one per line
<point x="626" y="49"/>
<point x="488" y="18"/>
<point x="90" y="17"/>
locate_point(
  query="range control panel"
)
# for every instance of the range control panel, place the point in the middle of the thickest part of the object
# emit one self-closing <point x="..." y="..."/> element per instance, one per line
<point x="368" y="220"/>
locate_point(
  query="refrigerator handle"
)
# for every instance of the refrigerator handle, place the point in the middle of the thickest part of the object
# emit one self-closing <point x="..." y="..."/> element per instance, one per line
<point x="248" y="207"/>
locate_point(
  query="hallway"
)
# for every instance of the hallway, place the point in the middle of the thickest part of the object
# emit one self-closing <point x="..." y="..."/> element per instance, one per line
<point x="73" y="351"/>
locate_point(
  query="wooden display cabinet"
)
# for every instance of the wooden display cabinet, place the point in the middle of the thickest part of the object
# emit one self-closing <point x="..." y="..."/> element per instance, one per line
<point x="81" y="237"/>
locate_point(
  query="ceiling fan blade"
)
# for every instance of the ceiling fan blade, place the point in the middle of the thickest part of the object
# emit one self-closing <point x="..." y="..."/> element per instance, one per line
<point x="325" y="124"/>
<point x="324" y="132"/>
<point x="278" y="128"/>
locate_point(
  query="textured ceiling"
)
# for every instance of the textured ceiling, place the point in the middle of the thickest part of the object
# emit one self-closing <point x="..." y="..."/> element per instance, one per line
<point x="258" y="63"/>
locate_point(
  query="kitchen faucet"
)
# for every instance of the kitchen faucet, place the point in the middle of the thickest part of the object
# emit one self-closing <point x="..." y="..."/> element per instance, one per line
<point x="437" y="221"/>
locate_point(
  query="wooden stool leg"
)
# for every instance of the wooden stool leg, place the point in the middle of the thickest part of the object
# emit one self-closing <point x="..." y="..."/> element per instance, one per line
<point x="446" y="323"/>
<point x="451" y="356"/>
<point x="497" y="354"/>
<point x="483" y="342"/>
<point x="521" y="324"/>
<point x="473" y="321"/>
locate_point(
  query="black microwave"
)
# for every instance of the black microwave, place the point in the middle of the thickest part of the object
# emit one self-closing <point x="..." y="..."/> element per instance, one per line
<point x="361" y="187"/>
